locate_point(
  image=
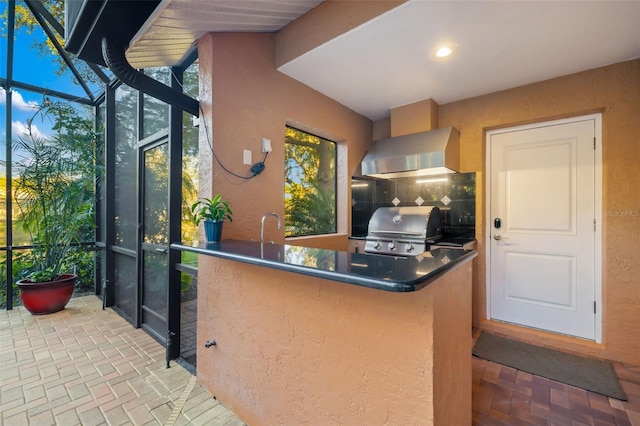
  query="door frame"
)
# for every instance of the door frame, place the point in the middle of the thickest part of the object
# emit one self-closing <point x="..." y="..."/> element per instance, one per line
<point x="597" y="118"/>
<point x="151" y="142"/>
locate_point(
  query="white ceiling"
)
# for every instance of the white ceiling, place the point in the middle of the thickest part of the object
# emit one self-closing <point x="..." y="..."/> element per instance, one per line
<point x="171" y="32"/>
<point x="389" y="61"/>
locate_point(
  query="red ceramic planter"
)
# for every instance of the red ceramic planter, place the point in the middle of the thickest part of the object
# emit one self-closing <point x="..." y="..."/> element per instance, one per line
<point x="47" y="297"/>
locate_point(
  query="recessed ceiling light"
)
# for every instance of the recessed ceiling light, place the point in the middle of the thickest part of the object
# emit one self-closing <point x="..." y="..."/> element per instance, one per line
<point x="443" y="52"/>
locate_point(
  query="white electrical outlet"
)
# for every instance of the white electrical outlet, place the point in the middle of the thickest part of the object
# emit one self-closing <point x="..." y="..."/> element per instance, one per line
<point x="266" y="145"/>
<point x="247" y="157"/>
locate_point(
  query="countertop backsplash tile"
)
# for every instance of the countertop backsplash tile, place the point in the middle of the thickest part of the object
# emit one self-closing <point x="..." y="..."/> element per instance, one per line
<point x="454" y="194"/>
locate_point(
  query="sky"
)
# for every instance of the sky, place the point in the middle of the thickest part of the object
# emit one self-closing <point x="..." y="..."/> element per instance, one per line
<point x="30" y="67"/>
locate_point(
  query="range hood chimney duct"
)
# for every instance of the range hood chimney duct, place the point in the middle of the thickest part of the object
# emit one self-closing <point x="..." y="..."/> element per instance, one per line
<point x="114" y="56"/>
<point x="417" y="154"/>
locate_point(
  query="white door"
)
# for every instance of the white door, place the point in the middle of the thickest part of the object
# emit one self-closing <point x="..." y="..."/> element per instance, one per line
<point x="542" y="226"/>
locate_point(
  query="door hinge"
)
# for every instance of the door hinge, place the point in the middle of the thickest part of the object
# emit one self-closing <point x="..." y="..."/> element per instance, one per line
<point x="594" y="225"/>
<point x="594" y="307"/>
<point x="594" y="143"/>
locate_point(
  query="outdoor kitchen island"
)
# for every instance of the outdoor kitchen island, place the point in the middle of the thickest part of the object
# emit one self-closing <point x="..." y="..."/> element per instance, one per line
<point x="314" y="336"/>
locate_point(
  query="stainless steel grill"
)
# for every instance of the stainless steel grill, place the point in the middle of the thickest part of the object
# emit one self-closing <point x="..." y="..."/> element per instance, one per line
<point x="403" y="231"/>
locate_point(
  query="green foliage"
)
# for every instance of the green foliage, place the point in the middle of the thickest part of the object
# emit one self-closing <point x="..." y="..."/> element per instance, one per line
<point x="55" y="188"/>
<point x="310" y="201"/>
<point x="3" y="280"/>
<point x="156" y="183"/>
<point x="188" y="229"/>
<point x="26" y="21"/>
<point x="310" y="210"/>
<point x="81" y="261"/>
<point x="215" y="209"/>
<point x="185" y="282"/>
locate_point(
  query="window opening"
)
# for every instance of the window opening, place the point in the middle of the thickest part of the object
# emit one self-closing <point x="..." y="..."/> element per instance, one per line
<point x="310" y="184"/>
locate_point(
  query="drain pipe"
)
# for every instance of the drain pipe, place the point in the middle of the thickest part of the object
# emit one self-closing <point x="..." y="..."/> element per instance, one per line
<point x="113" y="53"/>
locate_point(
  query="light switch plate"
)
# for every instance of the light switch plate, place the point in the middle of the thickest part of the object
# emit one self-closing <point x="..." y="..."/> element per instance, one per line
<point x="247" y="157"/>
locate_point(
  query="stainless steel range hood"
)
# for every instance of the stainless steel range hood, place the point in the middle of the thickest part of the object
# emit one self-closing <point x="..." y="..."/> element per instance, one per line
<point x="417" y="154"/>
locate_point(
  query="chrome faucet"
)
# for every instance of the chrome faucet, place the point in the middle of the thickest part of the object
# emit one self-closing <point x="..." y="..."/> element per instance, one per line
<point x="262" y="226"/>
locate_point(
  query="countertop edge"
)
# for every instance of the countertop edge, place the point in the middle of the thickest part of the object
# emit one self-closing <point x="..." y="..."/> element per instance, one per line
<point x="380" y="284"/>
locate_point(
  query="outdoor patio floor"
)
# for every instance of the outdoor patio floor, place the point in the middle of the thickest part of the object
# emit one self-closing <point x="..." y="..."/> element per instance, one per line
<point x="88" y="366"/>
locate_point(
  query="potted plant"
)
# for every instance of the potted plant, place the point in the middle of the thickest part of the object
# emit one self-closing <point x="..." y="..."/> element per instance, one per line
<point x="213" y="212"/>
<point x="54" y="193"/>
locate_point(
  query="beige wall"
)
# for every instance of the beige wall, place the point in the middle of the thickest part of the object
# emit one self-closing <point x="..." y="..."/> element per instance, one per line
<point x="252" y="100"/>
<point x="325" y="22"/>
<point x="293" y="349"/>
<point x="615" y="91"/>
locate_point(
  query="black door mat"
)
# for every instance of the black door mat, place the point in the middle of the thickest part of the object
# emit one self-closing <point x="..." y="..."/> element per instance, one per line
<point x="585" y="373"/>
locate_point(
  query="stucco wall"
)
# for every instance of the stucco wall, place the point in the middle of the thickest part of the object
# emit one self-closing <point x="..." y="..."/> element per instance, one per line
<point x="325" y="22"/>
<point x="293" y="349"/>
<point x="252" y="100"/>
<point x="244" y="98"/>
<point x="615" y="91"/>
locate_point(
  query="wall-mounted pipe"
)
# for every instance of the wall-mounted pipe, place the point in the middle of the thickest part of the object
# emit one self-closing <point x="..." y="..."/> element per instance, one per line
<point x="114" y="55"/>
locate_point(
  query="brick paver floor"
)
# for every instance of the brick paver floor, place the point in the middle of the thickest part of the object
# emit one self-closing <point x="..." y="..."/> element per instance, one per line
<point x="88" y="366"/>
<point x="504" y="396"/>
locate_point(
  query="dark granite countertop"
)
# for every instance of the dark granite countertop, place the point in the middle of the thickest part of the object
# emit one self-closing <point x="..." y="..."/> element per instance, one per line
<point x="397" y="274"/>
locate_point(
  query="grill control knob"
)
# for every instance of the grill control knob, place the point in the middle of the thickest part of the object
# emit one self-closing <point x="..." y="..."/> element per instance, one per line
<point x="392" y="245"/>
<point x="410" y="248"/>
<point x="377" y="246"/>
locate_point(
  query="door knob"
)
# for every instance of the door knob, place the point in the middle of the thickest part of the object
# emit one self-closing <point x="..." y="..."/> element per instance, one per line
<point x="499" y="237"/>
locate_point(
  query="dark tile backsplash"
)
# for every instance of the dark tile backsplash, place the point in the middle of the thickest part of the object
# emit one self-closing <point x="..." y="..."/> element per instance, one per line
<point x="458" y="209"/>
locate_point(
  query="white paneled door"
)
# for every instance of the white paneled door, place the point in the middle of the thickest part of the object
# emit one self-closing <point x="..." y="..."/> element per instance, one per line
<point x="542" y="203"/>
